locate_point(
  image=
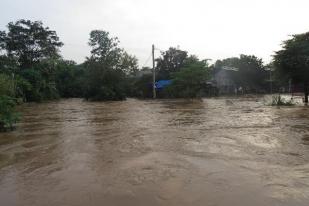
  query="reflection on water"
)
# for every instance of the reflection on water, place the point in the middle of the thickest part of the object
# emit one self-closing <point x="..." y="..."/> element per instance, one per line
<point x="163" y="152"/>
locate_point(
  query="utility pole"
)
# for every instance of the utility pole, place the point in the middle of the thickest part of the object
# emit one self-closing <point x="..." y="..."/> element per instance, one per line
<point x="153" y="74"/>
<point x="270" y="79"/>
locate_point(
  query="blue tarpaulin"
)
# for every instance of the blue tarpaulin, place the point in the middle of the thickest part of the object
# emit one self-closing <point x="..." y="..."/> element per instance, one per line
<point x="162" y="83"/>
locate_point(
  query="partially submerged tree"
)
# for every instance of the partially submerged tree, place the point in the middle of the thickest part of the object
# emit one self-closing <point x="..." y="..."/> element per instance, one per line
<point x="7" y="85"/>
<point x="293" y="60"/>
<point x="7" y="102"/>
<point x="107" y="68"/>
<point x="8" y="116"/>
<point x="70" y="79"/>
<point x="191" y="80"/>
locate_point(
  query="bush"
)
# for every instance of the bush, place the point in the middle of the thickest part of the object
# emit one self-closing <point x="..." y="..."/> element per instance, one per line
<point x="104" y="83"/>
<point x="38" y="88"/>
<point x="7" y="86"/>
<point x="70" y="79"/>
<point x="189" y="82"/>
<point x="8" y="116"/>
<point x="142" y="86"/>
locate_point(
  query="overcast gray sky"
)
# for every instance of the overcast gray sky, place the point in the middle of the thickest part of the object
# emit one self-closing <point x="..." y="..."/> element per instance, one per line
<point x="212" y="29"/>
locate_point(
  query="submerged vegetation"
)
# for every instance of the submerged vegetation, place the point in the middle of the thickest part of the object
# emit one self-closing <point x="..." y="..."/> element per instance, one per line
<point x="278" y="100"/>
<point x="32" y="69"/>
<point x="191" y="80"/>
<point x="8" y="116"/>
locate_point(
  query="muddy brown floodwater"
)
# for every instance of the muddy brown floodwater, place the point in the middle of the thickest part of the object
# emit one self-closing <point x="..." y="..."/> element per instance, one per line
<point x="215" y="152"/>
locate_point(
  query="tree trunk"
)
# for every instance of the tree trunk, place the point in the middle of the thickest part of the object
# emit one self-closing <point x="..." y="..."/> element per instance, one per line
<point x="306" y="92"/>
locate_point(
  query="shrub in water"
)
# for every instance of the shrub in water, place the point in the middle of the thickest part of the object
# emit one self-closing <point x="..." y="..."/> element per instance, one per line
<point x="8" y="116"/>
<point x="279" y="101"/>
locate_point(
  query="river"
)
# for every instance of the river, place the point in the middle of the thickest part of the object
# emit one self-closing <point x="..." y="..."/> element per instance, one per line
<point x="214" y="152"/>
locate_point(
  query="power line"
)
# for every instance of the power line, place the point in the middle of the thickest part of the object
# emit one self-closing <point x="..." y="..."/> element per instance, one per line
<point x="146" y="62"/>
<point x="158" y="49"/>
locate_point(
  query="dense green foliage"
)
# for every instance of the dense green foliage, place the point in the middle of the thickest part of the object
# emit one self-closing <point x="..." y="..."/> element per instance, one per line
<point x="70" y="79"/>
<point x="107" y="68"/>
<point x="7" y="85"/>
<point x="31" y="52"/>
<point x="7" y="103"/>
<point x="8" y="116"/>
<point x="171" y="61"/>
<point x="30" y="57"/>
<point x="140" y="85"/>
<point x="293" y="61"/>
<point x="190" y="81"/>
<point x="30" y="42"/>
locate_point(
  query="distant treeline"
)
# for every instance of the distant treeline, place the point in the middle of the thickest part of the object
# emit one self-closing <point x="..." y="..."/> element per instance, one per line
<point x="32" y="69"/>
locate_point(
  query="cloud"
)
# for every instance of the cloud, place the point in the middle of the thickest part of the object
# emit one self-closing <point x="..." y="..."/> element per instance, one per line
<point x="213" y="29"/>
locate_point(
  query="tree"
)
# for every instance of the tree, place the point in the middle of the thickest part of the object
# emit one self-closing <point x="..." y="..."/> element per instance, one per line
<point x="70" y="79"/>
<point x="129" y="64"/>
<point x="7" y="103"/>
<point x="105" y="49"/>
<point x="250" y="72"/>
<point x="30" y="42"/>
<point x="31" y="52"/>
<point x="107" y="68"/>
<point x="293" y="60"/>
<point x="171" y="61"/>
<point x="8" y="116"/>
<point x="7" y="85"/>
<point x="8" y="65"/>
<point x="190" y="81"/>
<point x="2" y="40"/>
